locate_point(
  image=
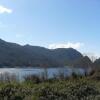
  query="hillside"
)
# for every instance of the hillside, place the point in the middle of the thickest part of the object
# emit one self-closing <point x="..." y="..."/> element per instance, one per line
<point x="12" y="54"/>
<point x="84" y="62"/>
<point x="97" y="64"/>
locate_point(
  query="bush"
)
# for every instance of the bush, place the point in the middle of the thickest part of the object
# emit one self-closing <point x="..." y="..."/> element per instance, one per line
<point x="13" y="92"/>
<point x="72" y="89"/>
<point x="32" y="78"/>
<point x="68" y="91"/>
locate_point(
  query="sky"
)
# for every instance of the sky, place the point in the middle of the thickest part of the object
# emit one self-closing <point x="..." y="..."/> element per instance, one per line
<point x="52" y="23"/>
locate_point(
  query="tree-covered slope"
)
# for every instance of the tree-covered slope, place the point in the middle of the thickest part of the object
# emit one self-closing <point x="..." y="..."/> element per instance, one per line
<point x="12" y="54"/>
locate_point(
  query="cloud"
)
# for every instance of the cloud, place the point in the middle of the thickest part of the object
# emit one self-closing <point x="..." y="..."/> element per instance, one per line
<point x="5" y="10"/>
<point x="67" y="45"/>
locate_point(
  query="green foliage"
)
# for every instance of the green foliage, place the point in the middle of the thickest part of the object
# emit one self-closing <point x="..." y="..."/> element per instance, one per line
<point x="69" y="89"/>
<point x="13" y="92"/>
<point x="32" y="78"/>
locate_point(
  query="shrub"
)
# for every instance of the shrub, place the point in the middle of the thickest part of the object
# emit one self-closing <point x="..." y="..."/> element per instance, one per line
<point x="68" y="91"/>
<point x="13" y="92"/>
<point x="32" y="78"/>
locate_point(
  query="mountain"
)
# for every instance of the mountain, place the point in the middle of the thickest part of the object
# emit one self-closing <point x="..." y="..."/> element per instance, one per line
<point x="12" y="54"/>
<point x="66" y="56"/>
<point x="97" y="64"/>
<point x="84" y="62"/>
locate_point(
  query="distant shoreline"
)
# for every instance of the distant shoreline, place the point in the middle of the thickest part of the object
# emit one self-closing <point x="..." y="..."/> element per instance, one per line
<point x="31" y="67"/>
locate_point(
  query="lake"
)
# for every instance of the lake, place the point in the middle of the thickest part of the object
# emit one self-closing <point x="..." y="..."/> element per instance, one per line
<point x="22" y="72"/>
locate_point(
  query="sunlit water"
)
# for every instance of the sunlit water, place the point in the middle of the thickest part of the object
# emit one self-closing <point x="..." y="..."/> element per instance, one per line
<point x="22" y="72"/>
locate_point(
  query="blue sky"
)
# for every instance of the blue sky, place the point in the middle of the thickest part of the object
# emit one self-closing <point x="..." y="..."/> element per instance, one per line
<point x="52" y="23"/>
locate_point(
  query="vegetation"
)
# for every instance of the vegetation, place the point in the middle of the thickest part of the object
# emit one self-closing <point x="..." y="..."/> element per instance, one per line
<point x="62" y="88"/>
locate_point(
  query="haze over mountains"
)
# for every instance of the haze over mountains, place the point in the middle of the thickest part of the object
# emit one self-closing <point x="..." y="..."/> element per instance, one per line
<point x="12" y="55"/>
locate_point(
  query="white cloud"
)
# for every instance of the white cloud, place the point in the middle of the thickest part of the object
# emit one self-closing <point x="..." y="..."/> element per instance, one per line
<point x="67" y="45"/>
<point x="5" y="10"/>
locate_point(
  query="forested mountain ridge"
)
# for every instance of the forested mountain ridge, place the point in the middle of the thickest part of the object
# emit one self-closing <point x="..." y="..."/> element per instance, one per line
<point x="83" y="62"/>
<point x="12" y="54"/>
<point x="96" y="64"/>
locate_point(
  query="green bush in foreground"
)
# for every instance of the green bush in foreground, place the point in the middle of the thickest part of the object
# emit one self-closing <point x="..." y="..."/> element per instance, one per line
<point x="13" y="92"/>
<point x="68" y="90"/>
<point x="71" y="89"/>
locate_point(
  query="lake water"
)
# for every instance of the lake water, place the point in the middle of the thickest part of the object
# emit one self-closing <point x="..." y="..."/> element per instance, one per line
<point x="22" y="72"/>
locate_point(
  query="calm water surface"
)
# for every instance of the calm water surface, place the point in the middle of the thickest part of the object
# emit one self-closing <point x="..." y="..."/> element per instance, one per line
<point x="22" y="72"/>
